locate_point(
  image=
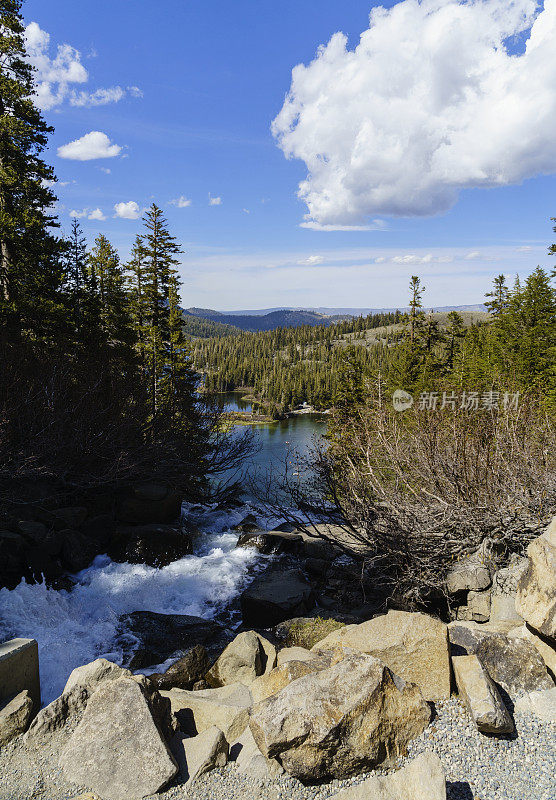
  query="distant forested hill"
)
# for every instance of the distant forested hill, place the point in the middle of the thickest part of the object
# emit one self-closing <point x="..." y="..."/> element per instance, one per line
<point x="266" y="322"/>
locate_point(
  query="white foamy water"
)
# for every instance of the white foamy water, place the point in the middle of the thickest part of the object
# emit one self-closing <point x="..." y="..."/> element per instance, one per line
<point x="75" y="627"/>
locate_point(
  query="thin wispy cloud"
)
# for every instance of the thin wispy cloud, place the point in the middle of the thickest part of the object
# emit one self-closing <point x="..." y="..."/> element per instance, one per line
<point x="181" y="202"/>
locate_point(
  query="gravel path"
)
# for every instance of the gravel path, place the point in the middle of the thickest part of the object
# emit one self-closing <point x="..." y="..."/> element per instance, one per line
<point x="477" y="767"/>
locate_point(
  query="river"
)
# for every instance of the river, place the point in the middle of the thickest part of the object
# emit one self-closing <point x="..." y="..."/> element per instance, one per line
<point x="75" y="627"/>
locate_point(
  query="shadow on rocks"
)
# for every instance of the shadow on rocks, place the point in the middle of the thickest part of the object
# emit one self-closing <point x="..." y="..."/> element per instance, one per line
<point x="458" y="790"/>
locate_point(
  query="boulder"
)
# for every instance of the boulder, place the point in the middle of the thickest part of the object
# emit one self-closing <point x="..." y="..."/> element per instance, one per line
<point x="476" y="608"/>
<point x="541" y="704"/>
<point x="15" y="716"/>
<point x="422" y="779"/>
<point x="227" y="708"/>
<point x="481" y="696"/>
<point x="184" y="672"/>
<point x="504" y="589"/>
<point x="294" y="654"/>
<point x="250" y="761"/>
<point x="117" y="750"/>
<point x="270" y="599"/>
<point x="149" y="503"/>
<point x="70" y="517"/>
<point x="155" y="545"/>
<point x="197" y="755"/>
<point x="536" y="592"/>
<point x="100" y="529"/>
<point x="280" y="677"/>
<point x="244" y="659"/>
<point x="248" y="524"/>
<point x="269" y="542"/>
<point x="77" y="550"/>
<point x="163" y="636"/>
<point x="68" y="709"/>
<point x="546" y="650"/>
<point x="413" y="645"/>
<point x="305" y="631"/>
<point x="514" y="664"/>
<point x="468" y="575"/>
<point x="339" y="721"/>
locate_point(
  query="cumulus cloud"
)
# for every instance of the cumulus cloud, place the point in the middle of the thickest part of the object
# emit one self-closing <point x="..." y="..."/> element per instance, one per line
<point x="93" y="145"/>
<point x="311" y="261"/>
<point x="181" y="202"/>
<point x="129" y="210"/>
<point x="56" y="76"/>
<point x="94" y="214"/>
<point x="431" y="101"/>
<point x="215" y="201"/>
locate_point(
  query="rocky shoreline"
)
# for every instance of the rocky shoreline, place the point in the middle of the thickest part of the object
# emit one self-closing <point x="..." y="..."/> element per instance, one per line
<point x="302" y="703"/>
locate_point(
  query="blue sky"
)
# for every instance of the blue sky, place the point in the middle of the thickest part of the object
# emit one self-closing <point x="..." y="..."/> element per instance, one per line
<point x="185" y="98"/>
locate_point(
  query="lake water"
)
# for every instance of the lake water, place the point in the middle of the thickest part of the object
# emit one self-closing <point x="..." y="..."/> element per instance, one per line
<point x="75" y="627"/>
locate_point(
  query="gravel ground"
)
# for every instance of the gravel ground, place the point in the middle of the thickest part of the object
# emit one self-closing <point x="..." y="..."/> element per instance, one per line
<point x="477" y="767"/>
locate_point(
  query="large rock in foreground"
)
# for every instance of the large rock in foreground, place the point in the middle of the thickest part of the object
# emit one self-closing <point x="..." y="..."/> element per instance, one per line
<point x="276" y="597"/>
<point x="422" y="779"/>
<point x="414" y="646"/>
<point x="117" y="750"/>
<point x="243" y="660"/>
<point x="536" y="592"/>
<point x="340" y="721"/>
<point x="15" y="716"/>
<point x="481" y="696"/>
<point x="197" y="755"/>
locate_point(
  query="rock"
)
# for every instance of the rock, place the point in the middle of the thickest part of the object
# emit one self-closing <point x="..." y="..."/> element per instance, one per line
<point x="155" y="545"/>
<point x="250" y="761"/>
<point x="270" y="599"/>
<point x="316" y="566"/>
<point x="541" y="704"/>
<point x="100" y="529"/>
<point x="243" y="660"/>
<point x="248" y="524"/>
<point x="422" y="779"/>
<point x="69" y="707"/>
<point x="149" y="503"/>
<point x="477" y="607"/>
<point x="305" y="631"/>
<point x="163" y="636"/>
<point x="514" y="664"/>
<point x="71" y="517"/>
<point x="15" y="716"/>
<point x="294" y="654"/>
<point x="339" y="721"/>
<point x="185" y="672"/>
<point x="268" y="542"/>
<point x="467" y="575"/>
<point x="504" y="589"/>
<point x="77" y="550"/>
<point x="413" y="645"/>
<point x="227" y="708"/>
<point x="282" y="676"/>
<point x="546" y="651"/>
<point x="32" y="530"/>
<point x="481" y="696"/>
<point x="536" y="592"/>
<point x="199" y="754"/>
<point x="19" y="669"/>
<point x="117" y="750"/>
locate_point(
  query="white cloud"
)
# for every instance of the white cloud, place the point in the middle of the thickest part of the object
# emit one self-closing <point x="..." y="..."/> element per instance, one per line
<point x="472" y="256"/>
<point x="246" y="211"/>
<point x="93" y="145"/>
<point x="106" y="170"/>
<point x="429" y="102"/>
<point x="311" y="260"/>
<point x="312" y="225"/>
<point x="524" y="248"/>
<point x="97" y="214"/>
<point x="181" y="202"/>
<point x="56" y="77"/>
<point x="129" y="210"/>
<point x="215" y="201"/>
<point x="79" y="214"/>
<point x="412" y="259"/>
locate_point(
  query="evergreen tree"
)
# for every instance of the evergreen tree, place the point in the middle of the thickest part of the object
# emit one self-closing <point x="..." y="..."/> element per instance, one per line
<point x="107" y="276"/>
<point x="29" y="253"/>
<point x="499" y="296"/>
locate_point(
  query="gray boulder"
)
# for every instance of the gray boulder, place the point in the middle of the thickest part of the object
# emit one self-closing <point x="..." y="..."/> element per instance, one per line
<point x="269" y="542"/>
<point x="536" y="593"/>
<point x="250" y="761"/>
<point x="184" y="672"/>
<point x="504" y="590"/>
<point x="197" y="755"/>
<point x="15" y="716"/>
<point x="155" y="544"/>
<point x="540" y="704"/>
<point x="476" y="608"/>
<point x="481" y="696"/>
<point x="244" y="659"/>
<point x="340" y="721"/>
<point x="117" y="751"/>
<point x="468" y="575"/>
<point x="422" y="779"/>
<point x="227" y="708"/>
<point x="275" y="597"/>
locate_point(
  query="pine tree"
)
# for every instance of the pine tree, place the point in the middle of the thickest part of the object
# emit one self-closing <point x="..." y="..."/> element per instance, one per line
<point x="498" y="296"/>
<point x="29" y="253"/>
<point x="107" y="275"/>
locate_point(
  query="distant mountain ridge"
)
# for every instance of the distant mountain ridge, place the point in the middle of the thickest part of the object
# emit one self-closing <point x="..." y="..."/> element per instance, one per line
<point x="267" y="319"/>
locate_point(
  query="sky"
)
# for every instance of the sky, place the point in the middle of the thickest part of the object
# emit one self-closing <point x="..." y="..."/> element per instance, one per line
<point x="308" y="152"/>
